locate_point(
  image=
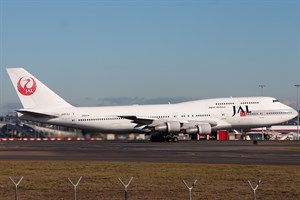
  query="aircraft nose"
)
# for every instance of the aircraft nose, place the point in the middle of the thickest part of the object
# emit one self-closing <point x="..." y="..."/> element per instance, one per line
<point x="295" y="113"/>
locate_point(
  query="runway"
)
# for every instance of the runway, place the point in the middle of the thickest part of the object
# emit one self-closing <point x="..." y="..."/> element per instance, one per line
<point x="228" y="152"/>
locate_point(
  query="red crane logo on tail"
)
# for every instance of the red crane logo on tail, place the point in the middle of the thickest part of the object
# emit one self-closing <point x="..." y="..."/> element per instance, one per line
<point x="26" y="85"/>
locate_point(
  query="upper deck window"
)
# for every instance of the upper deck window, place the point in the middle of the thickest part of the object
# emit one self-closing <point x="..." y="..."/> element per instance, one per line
<point x="275" y="100"/>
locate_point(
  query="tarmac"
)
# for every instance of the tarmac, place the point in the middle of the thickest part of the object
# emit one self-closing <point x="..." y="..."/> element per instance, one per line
<point x="225" y="152"/>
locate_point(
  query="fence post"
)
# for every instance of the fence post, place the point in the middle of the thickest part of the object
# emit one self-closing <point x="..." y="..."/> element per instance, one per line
<point x="254" y="189"/>
<point x="75" y="186"/>
<point x="126" y="187"/>
<point x="16" y="186"/>
<point x="190" y="188"/>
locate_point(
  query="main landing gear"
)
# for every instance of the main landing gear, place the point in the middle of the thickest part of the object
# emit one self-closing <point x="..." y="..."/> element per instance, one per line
<point x="161" y="137"/>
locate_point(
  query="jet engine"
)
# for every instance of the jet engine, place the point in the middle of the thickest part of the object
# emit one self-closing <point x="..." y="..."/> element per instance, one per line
<point x="168" y="127"/>
<point x="199" y="129"/>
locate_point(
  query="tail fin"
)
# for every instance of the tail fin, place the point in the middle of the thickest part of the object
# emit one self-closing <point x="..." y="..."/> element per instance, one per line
<point x="33" y="93"/>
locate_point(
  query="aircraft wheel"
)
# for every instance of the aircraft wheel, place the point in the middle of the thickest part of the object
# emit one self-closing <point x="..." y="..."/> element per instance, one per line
<point x="168" y="139"/>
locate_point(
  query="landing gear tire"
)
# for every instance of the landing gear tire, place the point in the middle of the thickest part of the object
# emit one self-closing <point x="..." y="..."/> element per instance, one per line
<point x="175" y="139"/>
<point x="169" y="138"/>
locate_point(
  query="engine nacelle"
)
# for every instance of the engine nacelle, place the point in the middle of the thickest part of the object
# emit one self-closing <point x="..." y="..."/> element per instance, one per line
<point x="193" y="130"/>
<point x="168" y="127"/>
<point x="199" y="129"/>
<point x="204" y="129"/>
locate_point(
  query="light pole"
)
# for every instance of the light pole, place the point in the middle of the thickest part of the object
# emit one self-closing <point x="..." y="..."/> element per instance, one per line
<point x="262" y="94"/>
<point x="262" y="89"/>
<point x="297" y="110"/>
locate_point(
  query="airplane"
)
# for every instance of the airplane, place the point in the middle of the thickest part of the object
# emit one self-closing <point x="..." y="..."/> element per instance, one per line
<point x="164" y="121"/>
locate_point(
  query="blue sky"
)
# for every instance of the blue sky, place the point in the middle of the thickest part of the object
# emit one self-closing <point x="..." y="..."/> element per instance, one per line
<point x="118" y="52"/>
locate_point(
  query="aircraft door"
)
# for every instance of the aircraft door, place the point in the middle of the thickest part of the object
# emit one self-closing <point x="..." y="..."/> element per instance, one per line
<point x="223" y="117"/>
<point x="175" y="115"/>
<point x="68" y="118"/>
<point x="73" y="118"/>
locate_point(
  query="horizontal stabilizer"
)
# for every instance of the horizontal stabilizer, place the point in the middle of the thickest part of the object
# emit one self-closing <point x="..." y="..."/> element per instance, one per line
<point x="37" y="114"/>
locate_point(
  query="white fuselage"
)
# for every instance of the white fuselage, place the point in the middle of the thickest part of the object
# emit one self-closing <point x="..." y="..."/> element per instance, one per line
<point x="41" y="104"/>
<point x="221" y="113"/>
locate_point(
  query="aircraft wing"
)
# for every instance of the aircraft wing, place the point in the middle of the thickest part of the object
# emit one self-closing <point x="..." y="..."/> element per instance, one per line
<point x="154" y="121"/>
<point x="212" y="123"/>
<point x="139" y="120"/>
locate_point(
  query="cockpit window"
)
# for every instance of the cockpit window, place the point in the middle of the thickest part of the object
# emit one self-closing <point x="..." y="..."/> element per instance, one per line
<point x="275" y="100"/>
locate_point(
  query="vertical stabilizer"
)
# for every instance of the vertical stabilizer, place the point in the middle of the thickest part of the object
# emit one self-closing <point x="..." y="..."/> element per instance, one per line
<point x="33" y="93"/>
